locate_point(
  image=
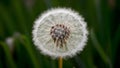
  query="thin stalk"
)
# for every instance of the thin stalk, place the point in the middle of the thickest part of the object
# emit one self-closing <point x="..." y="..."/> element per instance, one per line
<point x="60" y="62"/>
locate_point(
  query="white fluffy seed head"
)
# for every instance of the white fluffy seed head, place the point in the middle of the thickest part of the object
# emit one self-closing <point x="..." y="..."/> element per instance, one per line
<point x="72" y="21"/>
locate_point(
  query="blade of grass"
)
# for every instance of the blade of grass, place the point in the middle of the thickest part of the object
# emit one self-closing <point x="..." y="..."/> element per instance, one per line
<point x="116" y="41"/>
<point x="1" y="58"/>
<point x="99" y="49"/>
<point x="9" y="61"/>
<point x="19" y="11"/>
<point x="2" y="32"/>
<point x="24" y="40"/>
<point x="106" y="25"/>
<point x="18" y="54"/>
<point x="87" y="56"/>
<point x="4" y="14"/>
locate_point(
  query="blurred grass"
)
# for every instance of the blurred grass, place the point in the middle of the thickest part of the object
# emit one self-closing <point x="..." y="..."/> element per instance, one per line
<point x="7" y="56"/>
<point x="102" y="17"/>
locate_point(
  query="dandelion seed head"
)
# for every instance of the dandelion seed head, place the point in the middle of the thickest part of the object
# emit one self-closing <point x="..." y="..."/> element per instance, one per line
<point x="60" y="32"/>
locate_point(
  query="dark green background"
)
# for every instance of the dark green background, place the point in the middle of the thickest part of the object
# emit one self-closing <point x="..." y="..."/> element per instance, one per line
<point x="16" y="22"/>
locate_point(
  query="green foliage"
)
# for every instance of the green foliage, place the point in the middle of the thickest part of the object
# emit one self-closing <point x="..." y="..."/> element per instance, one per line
<point x="16" y="21"/>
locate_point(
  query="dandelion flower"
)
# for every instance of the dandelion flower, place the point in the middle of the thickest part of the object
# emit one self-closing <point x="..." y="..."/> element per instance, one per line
<point x="60" y="32"/>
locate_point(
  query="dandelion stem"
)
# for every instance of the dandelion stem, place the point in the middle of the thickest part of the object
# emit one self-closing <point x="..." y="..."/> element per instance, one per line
<point x="60" y="62"/>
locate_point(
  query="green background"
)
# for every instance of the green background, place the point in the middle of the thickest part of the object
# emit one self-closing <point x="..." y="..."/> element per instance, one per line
<point x="16" y="24"/>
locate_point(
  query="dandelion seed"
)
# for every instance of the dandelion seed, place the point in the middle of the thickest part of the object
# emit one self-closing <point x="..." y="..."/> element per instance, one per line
<point x="60" y="32"/>
<point x="10" y="41"/>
